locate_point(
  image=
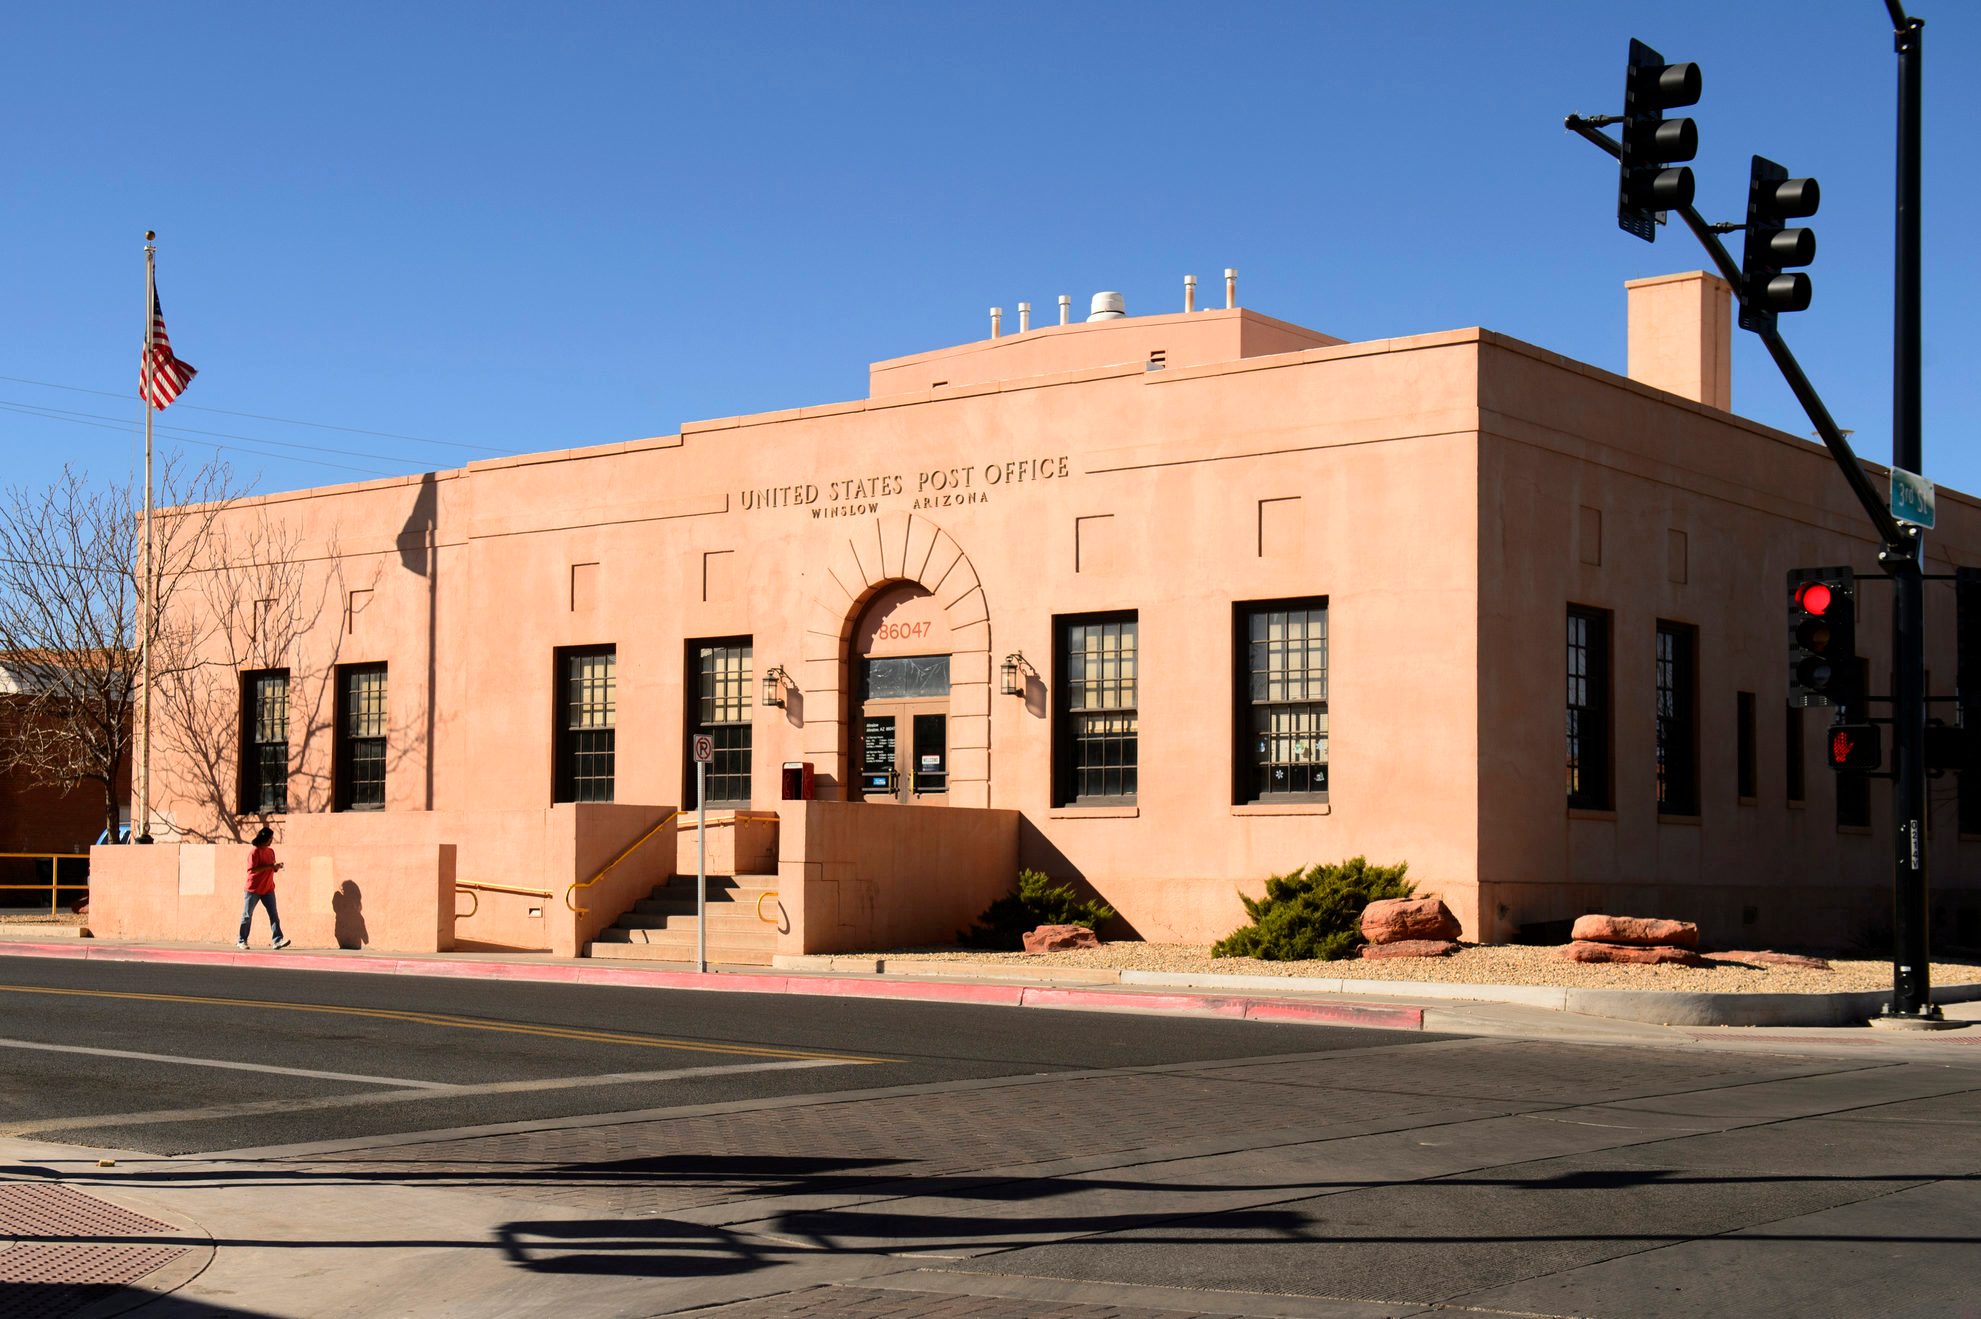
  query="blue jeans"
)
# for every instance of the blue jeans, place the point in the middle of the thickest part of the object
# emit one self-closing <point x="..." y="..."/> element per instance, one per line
<point x="248" y="911"/>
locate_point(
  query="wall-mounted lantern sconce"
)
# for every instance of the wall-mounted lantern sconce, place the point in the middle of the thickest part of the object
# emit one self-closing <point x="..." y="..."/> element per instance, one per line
<point x="775" y="680"/>
<point x="1012" y="674"/>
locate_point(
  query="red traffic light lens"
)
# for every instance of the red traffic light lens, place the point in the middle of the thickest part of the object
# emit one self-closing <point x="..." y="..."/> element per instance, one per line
<point x="1813" y="597"/>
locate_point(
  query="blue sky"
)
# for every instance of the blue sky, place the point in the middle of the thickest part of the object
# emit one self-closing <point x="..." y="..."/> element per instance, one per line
<point x="474" y="229"/>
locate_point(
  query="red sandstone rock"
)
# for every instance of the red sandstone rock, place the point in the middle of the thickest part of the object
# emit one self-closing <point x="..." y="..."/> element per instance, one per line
<point x="1058" y="938"/>
<point x="1640" y="930"/>
<point x="1584" y="951"/>
<point x="1410" y="948"/>
<point x="1774" y="959"/>
<point x="1394" y="920"/>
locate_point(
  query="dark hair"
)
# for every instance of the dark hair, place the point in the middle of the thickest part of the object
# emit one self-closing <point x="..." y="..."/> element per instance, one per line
<point x="265" y="837"/>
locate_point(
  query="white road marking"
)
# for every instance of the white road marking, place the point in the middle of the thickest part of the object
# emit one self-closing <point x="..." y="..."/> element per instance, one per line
<point x="398" y="1081"/>
<point x="254" y="1108"/>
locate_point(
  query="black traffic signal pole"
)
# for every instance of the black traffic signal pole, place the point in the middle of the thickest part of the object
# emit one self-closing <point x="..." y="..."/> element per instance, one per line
<point x="1911" y="959"/>
<point x="1903" y="554"/>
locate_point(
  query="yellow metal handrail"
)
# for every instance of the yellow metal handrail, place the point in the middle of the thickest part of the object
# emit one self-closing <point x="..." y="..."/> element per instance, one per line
<point x="503" y="888"/>
<point x="728" y="819"/>
<point x="631" y="848"/>
<point x="54" y="884"/>
<point x="767" y="893"/>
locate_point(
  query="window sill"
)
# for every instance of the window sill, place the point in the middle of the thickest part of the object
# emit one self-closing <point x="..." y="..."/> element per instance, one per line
<point x="1855" y="830"/>
<point x="1749" y="801"/>
<point x="1094" y="813"/>
<point x="1281" y="808"/>
<point x="1692" y="821"/>
<point x="1591" y="813"/>
<point x="1796" y="805"/>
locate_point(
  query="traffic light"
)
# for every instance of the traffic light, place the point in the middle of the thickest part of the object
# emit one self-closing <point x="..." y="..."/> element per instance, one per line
<point x="1823" y="668"/>
<point x="1773" y="197"/>
<point x="1647" y="185"/>
<point x="1858" y="748"/>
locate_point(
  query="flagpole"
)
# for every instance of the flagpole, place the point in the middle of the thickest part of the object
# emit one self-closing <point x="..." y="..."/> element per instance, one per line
<point x="145" y="623"/>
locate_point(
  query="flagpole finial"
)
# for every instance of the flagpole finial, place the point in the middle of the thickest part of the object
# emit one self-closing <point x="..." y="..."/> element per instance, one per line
<point x="149" y="235"/>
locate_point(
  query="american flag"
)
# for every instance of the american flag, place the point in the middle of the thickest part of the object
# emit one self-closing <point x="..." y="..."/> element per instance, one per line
<point x="163" y="377"/>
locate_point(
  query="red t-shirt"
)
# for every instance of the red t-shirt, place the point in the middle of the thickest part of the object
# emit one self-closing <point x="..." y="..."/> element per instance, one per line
<point x="261" y="870"/>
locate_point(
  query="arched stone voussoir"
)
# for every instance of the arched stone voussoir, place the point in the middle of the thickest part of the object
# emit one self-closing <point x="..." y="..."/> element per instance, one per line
<point x="894" y="529"/>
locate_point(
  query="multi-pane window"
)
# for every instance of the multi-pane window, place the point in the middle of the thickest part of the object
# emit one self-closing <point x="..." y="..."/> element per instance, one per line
<point x="721" y="671"/>
<point x="586" y="717"/>
<point x="1588" y="708"/>
<point x="1283" y="701"/>
<point x="1096" y="734"/>
<point x="360" y="750"/>
<point x="265" y="742"/>
<point x="1678" y="723"/>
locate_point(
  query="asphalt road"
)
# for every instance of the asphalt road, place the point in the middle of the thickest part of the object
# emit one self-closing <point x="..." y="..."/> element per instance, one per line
<point x="175" y="1059"/>
<point x="468" y="1147"/>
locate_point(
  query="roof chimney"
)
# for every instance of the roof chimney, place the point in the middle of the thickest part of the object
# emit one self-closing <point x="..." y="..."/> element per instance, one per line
<point x="1681" y="336"/>
<point x="1106" y="307"/>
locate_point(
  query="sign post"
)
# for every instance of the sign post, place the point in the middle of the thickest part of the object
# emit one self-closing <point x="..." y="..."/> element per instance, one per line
<point x="704" y="753"/>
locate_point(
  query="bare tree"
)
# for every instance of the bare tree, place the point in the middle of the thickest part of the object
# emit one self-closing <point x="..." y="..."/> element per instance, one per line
<point x="71" y="558"/>
<point x="252" y="602"/>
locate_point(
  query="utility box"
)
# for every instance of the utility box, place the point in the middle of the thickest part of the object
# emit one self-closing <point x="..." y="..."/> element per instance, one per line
<point x="798" y="780"/>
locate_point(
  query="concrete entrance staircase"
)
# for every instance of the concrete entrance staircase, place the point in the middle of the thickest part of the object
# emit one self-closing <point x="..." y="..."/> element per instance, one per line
<point x="661" y="928"/>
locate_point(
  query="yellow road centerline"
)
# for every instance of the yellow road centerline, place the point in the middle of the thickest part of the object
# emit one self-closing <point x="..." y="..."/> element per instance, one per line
<point x="453" y="1022"/>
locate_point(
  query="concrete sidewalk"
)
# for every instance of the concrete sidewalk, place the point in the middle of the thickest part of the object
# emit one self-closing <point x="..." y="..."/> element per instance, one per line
<point x="1527" y="1010"/>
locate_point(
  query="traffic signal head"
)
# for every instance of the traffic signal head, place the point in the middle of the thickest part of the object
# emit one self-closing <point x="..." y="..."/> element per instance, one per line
<point x="1823" y="668"/>
<point x="1773" y="198"/>
<point x="1650" y="179"/>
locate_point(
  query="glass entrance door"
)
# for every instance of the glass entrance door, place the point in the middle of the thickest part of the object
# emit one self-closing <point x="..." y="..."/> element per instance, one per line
<point x="903" y="730"/>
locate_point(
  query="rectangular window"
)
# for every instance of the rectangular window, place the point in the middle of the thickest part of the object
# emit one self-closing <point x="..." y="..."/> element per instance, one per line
<point x="1678" y="719"/>
<point x="265" y="742"/>
<point x="1744" y="768"/>
<point x="360" y="749"/>
<point x="721" y="686"/>
<point x="587" y="712"/>
<point x="1282" y="690"/>
<point x="1095" y="736"/>
<point x="1853" y="800"/>
<point x="1588" y="708"/>
<point x="1794" y="761"/>
<point x="1967" y="801"/>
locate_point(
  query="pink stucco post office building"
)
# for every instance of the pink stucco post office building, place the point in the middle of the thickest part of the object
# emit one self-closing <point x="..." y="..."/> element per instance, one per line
<point x="1160" y="603"/>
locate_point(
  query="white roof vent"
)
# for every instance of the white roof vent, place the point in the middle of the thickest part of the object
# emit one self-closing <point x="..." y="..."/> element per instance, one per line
<point x="1106" y="307"/>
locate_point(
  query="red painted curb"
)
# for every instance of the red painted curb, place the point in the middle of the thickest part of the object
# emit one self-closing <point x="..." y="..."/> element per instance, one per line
<point x="924" y="991"/>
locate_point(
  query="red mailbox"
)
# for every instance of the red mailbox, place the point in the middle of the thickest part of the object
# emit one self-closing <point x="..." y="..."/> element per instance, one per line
<point x="797" y="780"/>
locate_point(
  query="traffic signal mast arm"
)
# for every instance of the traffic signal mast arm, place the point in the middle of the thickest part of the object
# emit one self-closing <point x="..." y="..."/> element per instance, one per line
<point x="1896" y="541"/>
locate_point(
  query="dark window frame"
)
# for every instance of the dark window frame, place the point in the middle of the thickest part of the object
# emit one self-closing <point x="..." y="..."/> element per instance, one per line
<point x="1086" y="734"/>
<point x="1746" y="752"/>
<point x="264" y="778"/>
<point x="1590" y="708"/>
<point x="1677" y="710"/>
<point x="711" y="692"/>
<point x="1795" y="758"/>
<point x="358" y="751"/>
<point x="586" y="752"/>
<point x="1254" y="704"/>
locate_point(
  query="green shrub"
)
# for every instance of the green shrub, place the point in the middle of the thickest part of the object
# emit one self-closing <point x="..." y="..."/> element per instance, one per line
<point x="1313" y="913"/>
<point x="1037" y="901"/>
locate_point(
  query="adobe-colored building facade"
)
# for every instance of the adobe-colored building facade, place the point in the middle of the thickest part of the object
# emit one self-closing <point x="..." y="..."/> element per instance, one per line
<point x="1170" y="603"/>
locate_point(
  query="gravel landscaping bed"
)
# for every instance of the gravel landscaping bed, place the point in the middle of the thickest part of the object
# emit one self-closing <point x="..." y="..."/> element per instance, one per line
<point x="41" y="918"/>
<point x="1498" y="965"/>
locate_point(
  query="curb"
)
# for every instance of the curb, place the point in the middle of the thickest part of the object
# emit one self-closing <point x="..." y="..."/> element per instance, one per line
<point x="1381" y="1016"/>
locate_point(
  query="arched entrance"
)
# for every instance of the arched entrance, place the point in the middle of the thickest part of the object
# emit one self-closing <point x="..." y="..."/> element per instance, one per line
<point x="867" y="566"/>
<point x="900" y="690"/>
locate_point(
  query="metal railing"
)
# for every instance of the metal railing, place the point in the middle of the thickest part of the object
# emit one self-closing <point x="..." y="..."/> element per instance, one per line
<point x="476" y="887"/>
<point x="630" y="848"/>
<point x="54" y="884"/>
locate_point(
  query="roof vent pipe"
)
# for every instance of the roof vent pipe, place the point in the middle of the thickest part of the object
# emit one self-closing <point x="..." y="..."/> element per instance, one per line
<point x="1065" y="308"/>
<point x="997" y="319"/>
<point x="1189" y="293"/>
<point x="1106" y="307"/>
<point x="1024" y="317"/>
<point x="1230" y="287"/>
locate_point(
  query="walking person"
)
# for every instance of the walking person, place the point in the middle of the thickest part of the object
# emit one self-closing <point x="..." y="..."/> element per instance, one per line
<point x="262" y="866"/>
